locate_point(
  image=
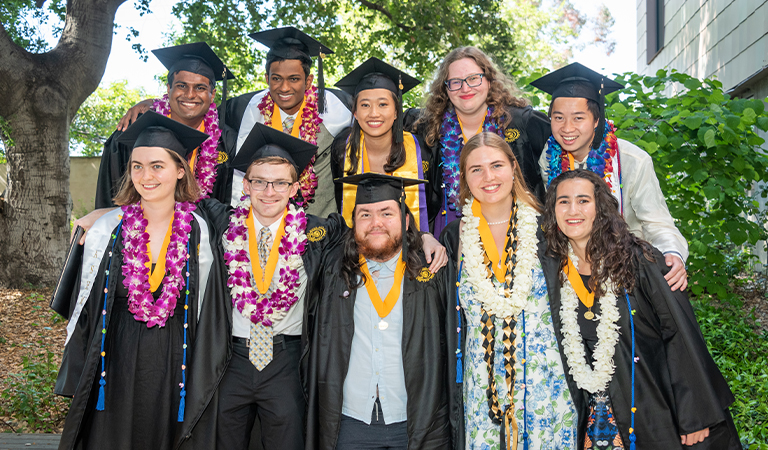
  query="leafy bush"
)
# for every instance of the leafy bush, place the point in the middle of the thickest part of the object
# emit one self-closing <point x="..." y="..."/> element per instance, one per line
<point x="742" y="355"/>
<point x="29" y="399"/>
<point x="706" y="154"/>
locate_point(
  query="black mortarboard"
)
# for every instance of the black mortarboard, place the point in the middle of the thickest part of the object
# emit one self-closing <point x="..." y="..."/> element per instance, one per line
<point x="155" y="130"/>
<point x="264" y="141"/>
<point x="578" y="81"/>
<point x="376" y="74"/>
<point x="377" y="187"/>
<point x="292" y="43"/>
<point x="198" y="58"/>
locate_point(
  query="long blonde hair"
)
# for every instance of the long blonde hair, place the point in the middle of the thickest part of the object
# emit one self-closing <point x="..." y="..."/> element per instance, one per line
<point x="500" y="92"/>
<point x="493" y="140"/>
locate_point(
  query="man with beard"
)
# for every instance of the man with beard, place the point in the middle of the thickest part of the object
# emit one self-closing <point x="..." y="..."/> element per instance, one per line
<point x="376" y="368"/>
<point x="193" y="70"/>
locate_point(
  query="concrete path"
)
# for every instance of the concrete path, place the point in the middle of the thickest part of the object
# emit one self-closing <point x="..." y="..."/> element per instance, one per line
<point x="18" y="441"/>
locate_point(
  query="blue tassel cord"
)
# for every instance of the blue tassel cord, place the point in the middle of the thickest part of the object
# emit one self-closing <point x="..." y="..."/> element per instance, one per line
<point x="103" y="381"/>
<point x="459" y="356"/>
<point x="183" y="393"/>
<point x="632" y="435"/>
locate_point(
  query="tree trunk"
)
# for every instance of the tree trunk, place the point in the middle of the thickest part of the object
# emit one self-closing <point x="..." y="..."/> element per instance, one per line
<point x="41" y="93"/>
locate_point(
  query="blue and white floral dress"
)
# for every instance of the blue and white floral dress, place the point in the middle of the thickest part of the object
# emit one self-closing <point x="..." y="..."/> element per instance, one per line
<point x="545" y="414"/>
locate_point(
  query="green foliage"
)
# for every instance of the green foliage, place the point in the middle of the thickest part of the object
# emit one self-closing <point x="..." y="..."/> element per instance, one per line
<point x="742" y="356"/>
<point x="414" y="35"/>
<point x="95" y="121"/>
<point x="5" y="138"/>
<point x="704" y="148"/>
<point x="24" y="22"/>
<point x="29" y="397"/>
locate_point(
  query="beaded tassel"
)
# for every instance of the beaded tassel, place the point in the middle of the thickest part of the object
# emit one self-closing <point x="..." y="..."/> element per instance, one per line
<point x="103" y="381"/>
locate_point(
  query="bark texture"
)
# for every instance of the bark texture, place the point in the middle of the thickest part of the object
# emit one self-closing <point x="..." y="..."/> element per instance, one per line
<point x="40" y="94"/>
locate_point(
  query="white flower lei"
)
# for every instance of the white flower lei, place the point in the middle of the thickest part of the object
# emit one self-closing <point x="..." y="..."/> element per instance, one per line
<point x="287" y="286"/>
<point x="495" y="301"/>
<point x="597" y="379"/>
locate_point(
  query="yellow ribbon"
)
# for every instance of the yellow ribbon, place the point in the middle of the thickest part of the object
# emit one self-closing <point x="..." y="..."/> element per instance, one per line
<point x="586" y="297"/>
<point x="383" y="307"/>
<point x="462" y="129"/>
<point x="408" y="170"/>
<point x="156" y="276"/>
<point x="497" y="263"/>
<point x="277" y="123"/>
<point x="192" y="159"/>
<point x="263" y="279"/>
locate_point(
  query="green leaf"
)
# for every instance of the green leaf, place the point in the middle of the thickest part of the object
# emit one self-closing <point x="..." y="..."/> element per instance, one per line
<point x="748" y="118"/>
<point x="693" y="122"/>
<point x="709" y="138"/>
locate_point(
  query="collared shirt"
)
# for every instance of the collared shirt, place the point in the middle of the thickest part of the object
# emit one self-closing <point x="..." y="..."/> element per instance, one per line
<point x="291" y="323"/>
<point x="376" y="358"/>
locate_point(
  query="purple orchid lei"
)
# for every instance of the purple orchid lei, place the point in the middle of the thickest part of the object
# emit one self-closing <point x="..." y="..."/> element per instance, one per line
<point x="264" y="309"/>
<point x="205" y="167"/>
<point x="451" y="142"/>
<point x="141" y="303"/>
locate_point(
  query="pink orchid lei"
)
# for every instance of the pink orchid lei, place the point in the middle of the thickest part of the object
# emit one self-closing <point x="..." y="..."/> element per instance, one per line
<point x="310" y="126"/>
<point x="136" y="273"/>
<point x="205" y="167"/>
<point x="273" y="306"/>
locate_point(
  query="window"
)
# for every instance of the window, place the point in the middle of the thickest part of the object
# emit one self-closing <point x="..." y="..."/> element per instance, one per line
<point x="654" y="28"/>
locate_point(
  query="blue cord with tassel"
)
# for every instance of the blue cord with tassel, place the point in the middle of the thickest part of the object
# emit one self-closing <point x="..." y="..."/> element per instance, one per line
<point x="103" y="381"/>
<point x="459" y="366"/>
<point x="632" y="435"/>
<point x="183" y="393"/>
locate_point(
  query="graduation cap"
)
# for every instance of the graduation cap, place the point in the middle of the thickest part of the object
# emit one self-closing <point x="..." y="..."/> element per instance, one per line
<point x="578" y="81"/>
<point x="377" y="187"/>
<point x="376" y="74"/>
<point x="155" y="130"/>
<point x="197" y="58"/>
<point x="292" y="43"/>
<point x="263" y="142"/>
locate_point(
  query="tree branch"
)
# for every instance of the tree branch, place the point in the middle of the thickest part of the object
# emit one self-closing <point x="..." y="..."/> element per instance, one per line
<point x="387" y="14"/>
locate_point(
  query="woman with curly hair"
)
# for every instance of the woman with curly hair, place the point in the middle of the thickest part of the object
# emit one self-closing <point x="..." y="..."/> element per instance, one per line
<point x="639" y="371"/>
<point x="469" y="95"/>
<point x="507" y="362"/>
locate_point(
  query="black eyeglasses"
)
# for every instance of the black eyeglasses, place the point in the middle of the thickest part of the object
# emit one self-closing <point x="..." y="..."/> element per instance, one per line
<point x="278" y="186"/>
<point x="474" y="80"/>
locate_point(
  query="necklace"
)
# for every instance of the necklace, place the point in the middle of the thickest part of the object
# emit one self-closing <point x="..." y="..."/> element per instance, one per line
<point x="498" y="223"/>
<point x="451" y="143"/>
<point x="205" y="166"/>
<point x="271" y="305"/>
<point x="587" y="378"/>
<point x="136" y="272"/>
<point x="308" y="128"/>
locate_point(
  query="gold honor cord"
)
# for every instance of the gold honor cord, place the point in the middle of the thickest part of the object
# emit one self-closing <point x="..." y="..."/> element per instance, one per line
<point x="263" y="279"/>
<point x="383" y="307"/>
<point x="277" y="123"/>
<point x="506" y="419"/>
<point x="156" y="276"/>
<point x="586" y="297"/>
<point x="408" y="170"/>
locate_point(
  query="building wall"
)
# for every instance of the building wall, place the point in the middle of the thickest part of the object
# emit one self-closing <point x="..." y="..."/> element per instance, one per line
<point x="727" y="39"/>
<point x="84" y="171"/>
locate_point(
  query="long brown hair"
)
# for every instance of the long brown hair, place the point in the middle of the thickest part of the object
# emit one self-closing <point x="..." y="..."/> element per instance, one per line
<point x="350" y="266"/>
<point x="611" y="247"/>
<point x="493" y="140"/>
<point x="501" y="92"/>
<point x="186" y="190"/>
<point x="396" y="157"/>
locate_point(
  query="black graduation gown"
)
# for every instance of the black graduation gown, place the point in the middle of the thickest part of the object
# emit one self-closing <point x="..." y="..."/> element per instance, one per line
<point x="321" y="234"/>
<point x="81" y="362"/>
<point x="114" y="162"/>
<point x="236" y="106"/>
<point x="526" y="134"/>
<point x="678" y="387"/>
<point x="425" y="357"/>
<point x="338" y="153"/>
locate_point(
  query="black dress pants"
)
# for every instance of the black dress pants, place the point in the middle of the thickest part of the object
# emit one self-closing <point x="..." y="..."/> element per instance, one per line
<point x="274" y="395"/>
